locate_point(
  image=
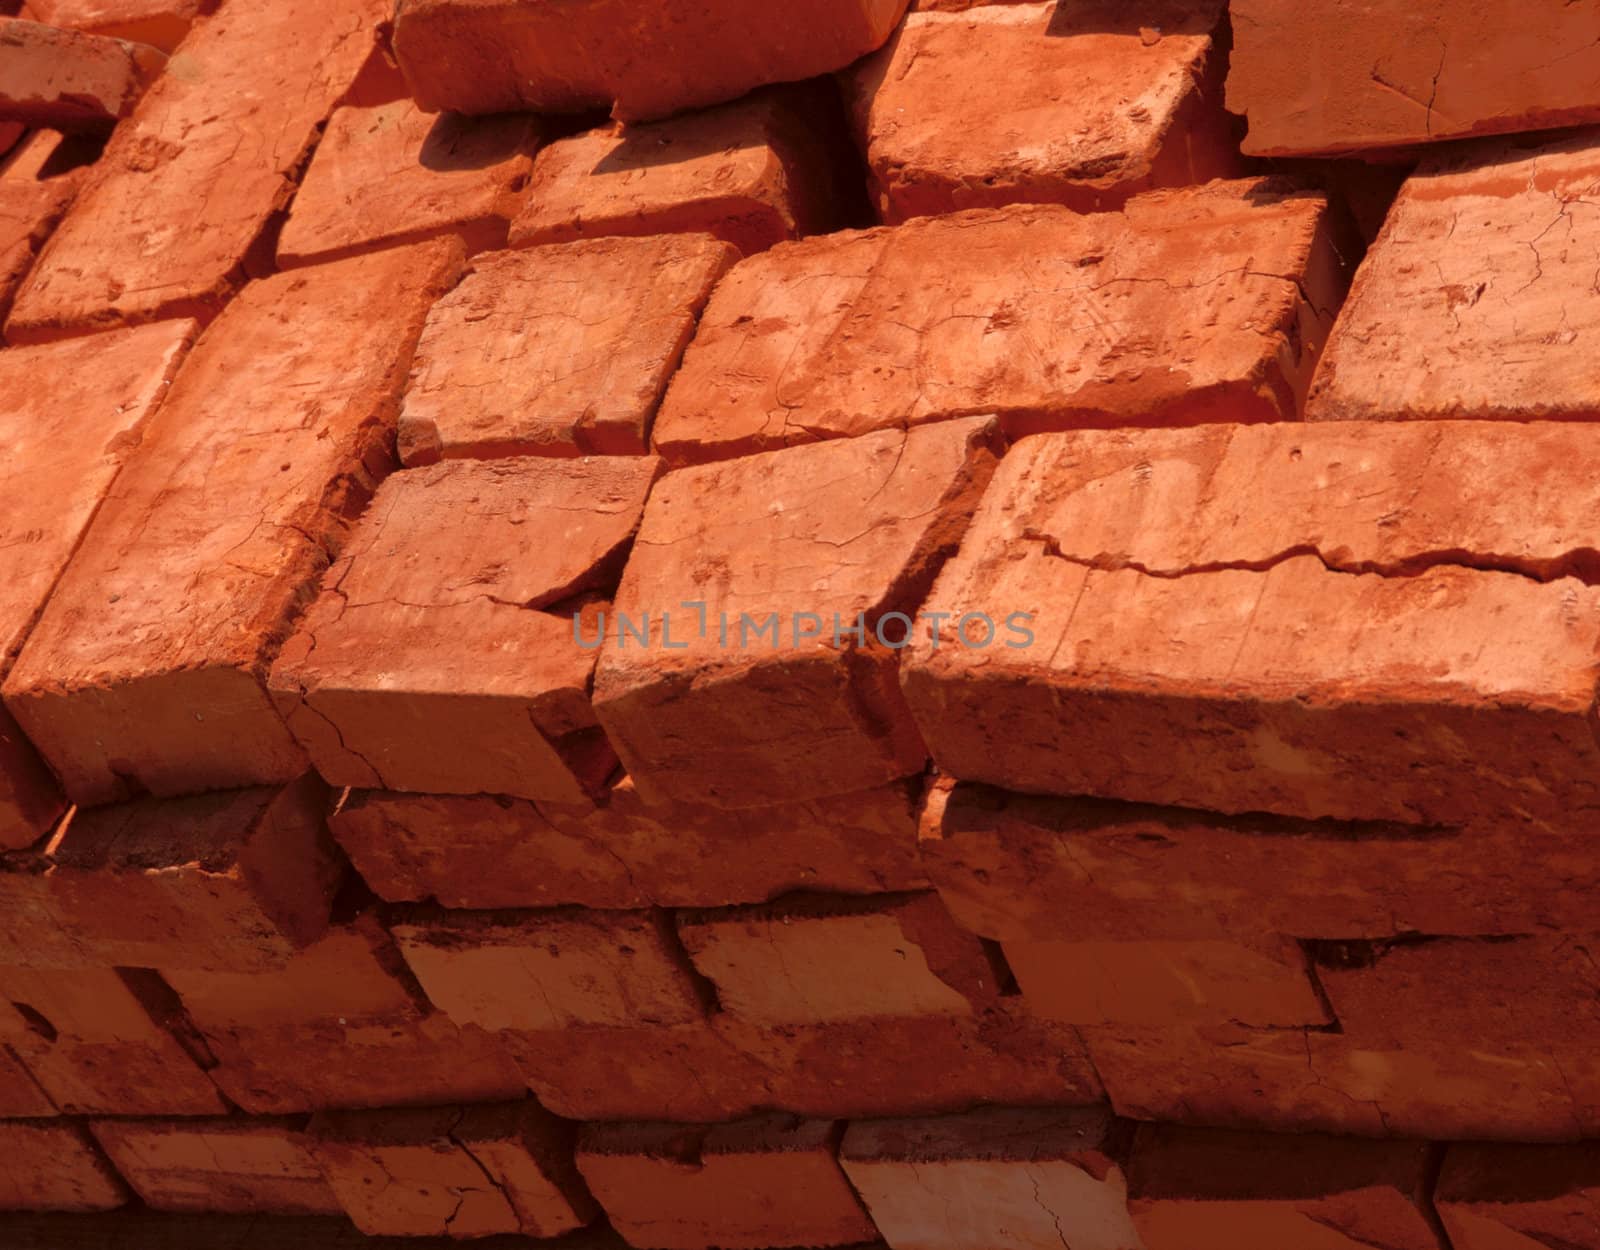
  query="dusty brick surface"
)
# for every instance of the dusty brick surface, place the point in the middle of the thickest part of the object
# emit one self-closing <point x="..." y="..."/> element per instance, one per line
<point x="21" y="1097"/>
<point x="557" y="351"/>
<point x="55" y="1167"/>
<point x="1196" y="305"/>
<point x="813" y="542"/>
<point x="159" y="23"/>
<point x="166" y="225"/>
<point x="232" y="1165"/>
<point x="147" y="670"/>
<point x="1494" y="248"/>
<point x="1510" y="1197"/>
<point x="38" y="180"/>
<point x="388" y="174"/>
<point x="68" y="79"/>
<point x="482" y="686"/>
<point x="1098" y="101"/>
<point x="1381" y="646"/>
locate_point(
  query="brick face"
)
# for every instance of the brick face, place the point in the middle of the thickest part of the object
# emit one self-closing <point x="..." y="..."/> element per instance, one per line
<point x="159" y="23"/>
<point x="55" y="1167"/>
<point x="69" y="79"/>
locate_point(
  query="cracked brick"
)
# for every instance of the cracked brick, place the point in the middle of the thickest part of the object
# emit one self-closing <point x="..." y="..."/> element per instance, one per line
<point x="68" y="79"/>
<point x="160" y="23"/>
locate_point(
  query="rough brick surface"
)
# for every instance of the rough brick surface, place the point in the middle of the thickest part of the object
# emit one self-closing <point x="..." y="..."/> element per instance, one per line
<point x="54" y="1167"/>
<point x="1509" y="1197"/>
<point x="1188" y="306"/>
<point x="70" y="80"/>
<point x="770" y="1181"/>
<point x="482" y="687"/>
<point x="235" y="1165"/>
<point x="751" y="173"/>
<point x="73" y="414"/>
<point x="390" y="174"/>
<point x="1228" y="618"/>
<point x="159" y="23"/>
<point x="489" y="56"/>
<point x="147" y="670"/>
<point x="454" y="1171"/>
<point x="20" y="1095"/>
<point x="1139" y="87"/>
<point x="811" y="543"/>
<point x="1357" y="74"/>
<point x="38" y="179"/>
<point x="1494" y="249"/>
<point x="167" y="223"/>
<point x="557" y="351"/>
<point x="1006" y="1178"/>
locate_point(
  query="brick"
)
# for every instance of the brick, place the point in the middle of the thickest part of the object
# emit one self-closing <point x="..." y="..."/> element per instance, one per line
<point x="38" y="180"/>
<point x="1202" y="1190"/>
<point x="557" y="351"/>
<point x="170" y="227"/>
<point x="481" y="688"/>
<point x="1009" y="1178"/>
<point x="68" y="427"/>
<point x="96" y="1046"/>
<point x="205" y="550"/>
<point x="31" y="932"/>
<point x="490" y="56"/>
<point x="551" y="969"/>
<point x="769" y="1181"/>
<point x="68" y="79"/>
<point x="778" y="963"/>
<point x="20" y="1095"/>
<point x="389" y="174"/>
<point x="811" y="542"/>
<point x="1144" y="81"/>
<point x="256" y="1166"/>
<point x="54" y="1167"/>
<point x="752" y="173"/>
<point x="1188" y="306"/>
<point x="159" y="23"/>
<point x="1494" y="247"/>
<point x="454" y="1171"/>
<point x="1360" y="74"/>
<point x="1289" y="637"/>
<point x="1512" y="1197"/>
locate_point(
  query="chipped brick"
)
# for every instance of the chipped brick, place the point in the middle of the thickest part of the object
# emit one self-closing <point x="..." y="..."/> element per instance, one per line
<point x="68" y="79"/>
<point x="159" y="23"/>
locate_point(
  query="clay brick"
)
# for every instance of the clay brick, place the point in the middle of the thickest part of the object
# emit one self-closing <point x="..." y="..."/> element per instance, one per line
<point x="550" y="969"/>
<point x="159" y="23"/>
<point x="1194" y="1189"/>
<point x="230" y="882"/>
<point x="1188" y="306"/>
<point x="389" y="174"/>
<point x="38" y="180"/>
<point x="769" y="1181"/>
<point x="20" y="1095"/>
<point x="807" y="545"/>
<point x="74" y="412"/>
<point x="1359" y="74"/>
<point x="1511" y="1197"/>
<point x="31" y="932"/>
<point x="490" y="56"/>
<point x="68" y="79"/>
<point x="779" y="963"/>
<point x="233" y="1165"/>
<point x="557" y="351"/>
<point x="1143" y="80"/>
<point x="206" y="548"/>
<point x="168" y="227"/>
<point x="1494" y="249"/>
<point x="1229" y="618"/>
<point x="461" y="578"/>
<point x="95" y="1047"/>
<point x="751" y="173"/>
<point x="454" y="1171"/>
<point x="1005" y="1178"/>
<point x="54" y="1167"/>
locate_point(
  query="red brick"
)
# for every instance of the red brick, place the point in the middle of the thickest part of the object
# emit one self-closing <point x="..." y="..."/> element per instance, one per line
<point x="1198" y="1190"/>
<point x="218" y="1165"/>
<point x="38" y="180"/>
<point x="1493" y="248"/>
<point x="751" y="173"/>
<point x="1008" y="1179"/>
<point x="1188" y="306"/>
<point x="31" y="932"/>
<point x="54" y="1167"/>
<point x="1511" y="1197"/>
<point x="812" y="542"/>
<point x="557" y="351"/>
<point x="1358" y="74"/>
<point x="389" y="174"/>
<point x="442" y="654"/>
<point x="159" y="23"/>
<point x="20" y="1095"/>
<point x="68" y="79"/>
<point x="489" y="56"/>
<point x="1143" y="81"/>
<point x="1231" y="619"/>
<point x="74" y="413"/>
<point x="147" y="670"/>
<point x="454" y="1171"/>
<point x="169" y="226"/>
<point x="152" y="1230"/>
<point x="770" y="1181"/>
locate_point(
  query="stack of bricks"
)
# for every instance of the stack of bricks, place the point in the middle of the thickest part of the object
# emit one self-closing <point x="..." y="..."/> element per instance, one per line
<point x="864" y="652"/>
